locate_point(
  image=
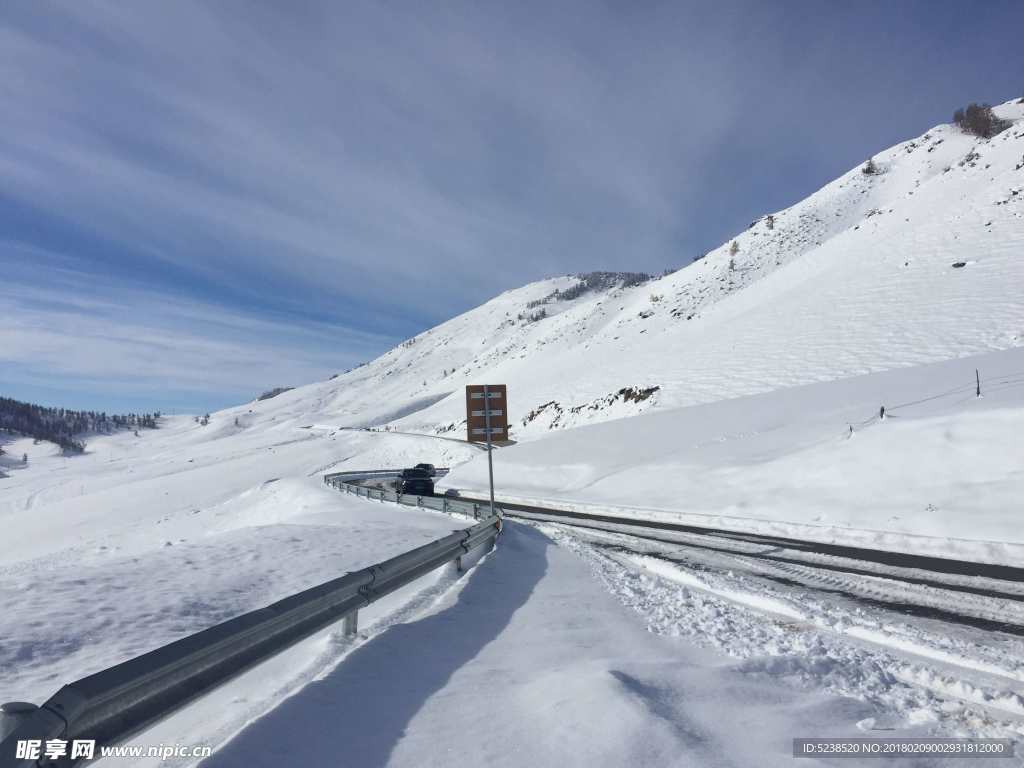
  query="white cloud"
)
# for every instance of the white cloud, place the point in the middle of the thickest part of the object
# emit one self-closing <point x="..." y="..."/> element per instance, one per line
<point x="140" y="341"/>
<point x="335" y="148"/>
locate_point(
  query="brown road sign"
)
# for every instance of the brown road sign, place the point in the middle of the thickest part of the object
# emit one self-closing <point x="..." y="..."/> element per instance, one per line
<point x="476" y="415"/>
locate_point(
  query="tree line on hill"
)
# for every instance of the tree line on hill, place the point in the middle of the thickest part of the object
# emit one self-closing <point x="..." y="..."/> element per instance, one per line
<point x="980" y="120"/>
<point x="593" y="281"/>
<point x="62" y="426"/>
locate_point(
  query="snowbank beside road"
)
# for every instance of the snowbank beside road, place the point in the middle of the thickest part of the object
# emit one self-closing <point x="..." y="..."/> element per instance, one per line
<point x="533" y="662"/>
<point x="943" y="473"/>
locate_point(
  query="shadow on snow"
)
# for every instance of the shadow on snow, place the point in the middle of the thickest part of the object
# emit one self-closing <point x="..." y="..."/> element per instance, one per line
<point x="359" y="712"/>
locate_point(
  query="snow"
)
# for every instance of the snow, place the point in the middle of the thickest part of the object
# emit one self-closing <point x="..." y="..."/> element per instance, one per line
<point x="847" y="634"/>
<point x="680" y="576"/>
<point x="145" y="540"/>
<point x="532" y="662"/>
<point x="721" y="394"/>
<point x="940" y="475"/>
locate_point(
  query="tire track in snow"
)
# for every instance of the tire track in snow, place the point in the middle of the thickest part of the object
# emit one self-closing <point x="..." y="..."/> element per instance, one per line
<point x="959" y="680"/>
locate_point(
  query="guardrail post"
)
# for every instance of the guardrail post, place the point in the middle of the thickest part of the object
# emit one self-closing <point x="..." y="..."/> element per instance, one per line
<point x="13" y="714"/>
<point x="476" y="511"/>
<point x="21" y="721"/>
<point x="350" y="624"/>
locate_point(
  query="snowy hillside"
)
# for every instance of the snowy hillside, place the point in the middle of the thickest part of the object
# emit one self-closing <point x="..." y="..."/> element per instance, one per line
<point x="856" y="278"/>
<point x="940" y="474"/>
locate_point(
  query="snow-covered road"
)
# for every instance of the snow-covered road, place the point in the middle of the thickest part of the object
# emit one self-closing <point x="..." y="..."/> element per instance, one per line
<point x="949" y="572"/>
<point x="533" y="661"/>
<point x="930" y="658"/>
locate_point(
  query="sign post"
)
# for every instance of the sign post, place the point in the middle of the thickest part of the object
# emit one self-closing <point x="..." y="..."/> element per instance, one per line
<point x="490" y="462"/>
<point x="486" y="419"/>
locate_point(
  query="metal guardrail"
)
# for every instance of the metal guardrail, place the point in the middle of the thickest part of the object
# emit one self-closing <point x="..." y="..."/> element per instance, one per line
<point x="115" y="703"/>
<point x="371" y="474"/>
<point x="349" y="483"/>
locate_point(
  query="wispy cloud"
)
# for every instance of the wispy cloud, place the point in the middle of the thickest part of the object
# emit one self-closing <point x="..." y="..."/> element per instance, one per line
<point x="78" y="332"/>
<point x="336" y="153"/>
<point x="377" y="167"/>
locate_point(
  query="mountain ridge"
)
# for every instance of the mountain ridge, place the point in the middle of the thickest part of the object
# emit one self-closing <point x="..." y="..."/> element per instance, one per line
<point x="857" y="277"/>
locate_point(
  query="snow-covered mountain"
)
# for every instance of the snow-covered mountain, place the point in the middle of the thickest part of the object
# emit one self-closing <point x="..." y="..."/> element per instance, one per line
<point x="918" y="262"/>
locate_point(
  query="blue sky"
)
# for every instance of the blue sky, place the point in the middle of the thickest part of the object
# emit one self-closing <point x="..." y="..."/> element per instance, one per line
<point x="202" y="200"/>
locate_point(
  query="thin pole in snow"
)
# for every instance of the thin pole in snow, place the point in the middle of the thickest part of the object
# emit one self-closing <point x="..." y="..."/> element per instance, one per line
<point x="977" y="378"/>
<point x="487" y="428"/>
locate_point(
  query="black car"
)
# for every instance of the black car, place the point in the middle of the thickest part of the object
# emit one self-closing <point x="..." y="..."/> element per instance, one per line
<point x="429" y="468"/>
<point x="415" y="482"/>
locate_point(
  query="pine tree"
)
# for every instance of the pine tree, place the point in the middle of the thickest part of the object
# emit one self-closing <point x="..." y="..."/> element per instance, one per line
<point x="60" y="425"/>
<point x="980" y="120"/>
